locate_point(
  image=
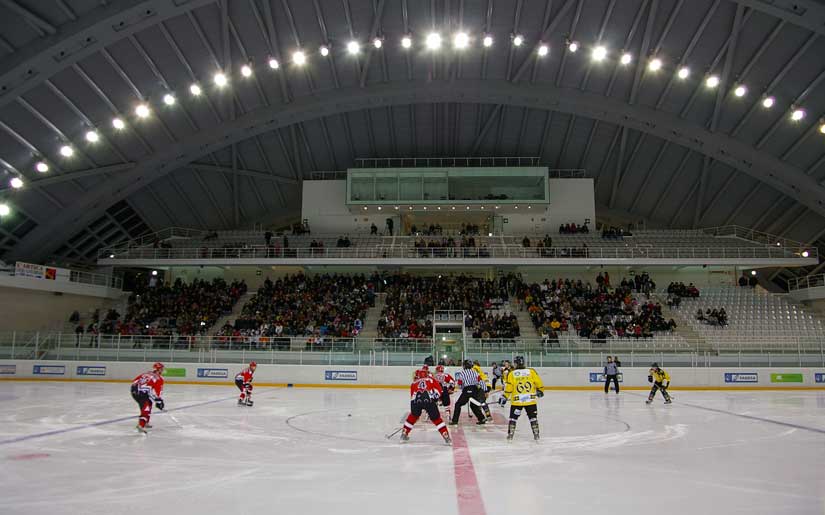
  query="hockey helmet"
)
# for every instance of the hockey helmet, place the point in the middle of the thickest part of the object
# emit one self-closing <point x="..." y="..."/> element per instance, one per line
<point x="158" y="367"/>
<point x="253" y="365"/>
<point x="439" y="368"/>
<point x="654" y="365"/>
<point x="519" y="361"/>
<point x="422" y="374"/>
<point x="467" y="364"/>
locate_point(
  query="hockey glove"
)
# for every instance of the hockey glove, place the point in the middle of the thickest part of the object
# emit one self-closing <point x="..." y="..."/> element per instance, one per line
<point x="539" y="393"/>
<point x="502" y="401"/>
<point x="159" y="404"/>
<point x="649" y="379"/>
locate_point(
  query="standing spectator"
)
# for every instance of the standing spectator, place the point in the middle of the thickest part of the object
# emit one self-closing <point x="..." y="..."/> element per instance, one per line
<point x="743" y="281"/>
<point x="268" y="238"/>
<point x="611" y="373"/>
<point x="389" y="226"/>
<point x="752" y="282"/>
<point x="373" y="228"/>
<point x="496" y="374"/>
<point x="78" y="333"/>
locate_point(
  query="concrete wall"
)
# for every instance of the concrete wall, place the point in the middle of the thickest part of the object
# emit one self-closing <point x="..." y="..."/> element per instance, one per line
<point x="345" y="375"/>
<point x="324" y="206"/>
<point x="32" y="310"/>
<point x="572" y="200"/>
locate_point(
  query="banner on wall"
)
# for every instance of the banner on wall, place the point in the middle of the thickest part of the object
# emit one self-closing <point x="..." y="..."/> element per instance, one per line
<point x="818" y="377"/>
<point x="8" y="370"/>
<point x="48" y="273"/>
<point x="220" y="373"/>
<point x="787" y="378"/>
<point x="91" y="371"/>
<point x="340" y="375"/>
<point x="599" y="377"/>
<point x="741" y="377"/>
<point x="49" y="370"/>
<point x="174" y="372"/>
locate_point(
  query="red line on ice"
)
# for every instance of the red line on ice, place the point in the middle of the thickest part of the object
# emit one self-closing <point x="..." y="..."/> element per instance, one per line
<point x="466" y="483"/>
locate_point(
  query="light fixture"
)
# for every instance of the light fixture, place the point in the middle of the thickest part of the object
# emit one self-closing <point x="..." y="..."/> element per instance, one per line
<point x="439" y="208"/>
<point x="516" y="207"/>
<point x="169" y="99"/>
<point x="768" y="102"/>
<point x="489" y="234"/>
<point x="573" y="46"/>
<point x="740" y="91"/>
<point x="154" y="272"/>
<point x="822" y="127"/>
<point x="655" y="64"/>
<point x="142" y="110"/>
<point x="496" y="207"/>
<point x="778" y="244"/>
<point x="66" y="151"/>
<point x="753" y="272"/>
<point x="41" y="167"/>
<point x="410" y="208"/>
<point x="16" y="183"/>
<point x="220" y="79"/>
<point x="5" y="210"/>
<point x="487" y="41"/>
<point x="379" y="208"/>
<point x="518" y="40"/>
<point x="195" y="90"/>
<point x="433" y="41"/>
<point x="273" y="63"/>
<point x="626" y="58"/>
<point x="797" y="114"/>
<point x="468" y="208"/>
<point x="712" y="81"/>
<point x="299" y="58"/>
<point x="377" y="43"/>
<point x="396" y="208"/>
<point x="406" y="42"/>
<point x="118" y="124"/>
<point x="543" y="50"/>
<point x="482" y="208"/>
<point x="246" y="70"/>
<point x="353" y="47"/>
<point x="683" y="73"/>
<point x="453" y="208"/>
<point x="324" y="51"/>
<point x="111" y="256"/>
<point x="92" y="137"/>
<point x="461" y="41"/>
<point x="365" y="208"/>
<point x="529" y="207"/>
<point x="805" y="253"/>
<point x="599" y="53"/>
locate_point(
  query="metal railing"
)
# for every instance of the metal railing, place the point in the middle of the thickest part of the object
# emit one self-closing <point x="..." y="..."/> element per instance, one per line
<point x="562" y="352"/>
<point x="454" y="162"/>
<point x="755" y="236"/>
<point x="809" y="281"/>
<point x="383" y="252"/>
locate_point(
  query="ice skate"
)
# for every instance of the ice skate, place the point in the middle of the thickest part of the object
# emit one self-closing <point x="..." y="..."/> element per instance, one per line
<point x="668" y="401"/>
<point x="481" y="422"/>
<point x="249" y="402"/>
<point x="241" y="402"/>
<point x="405" y="437"/>
<point x="141" y="430"/>
<point x="510" y="438"/>
<point x="448" y="440"/>
<point x="648" y="401"/>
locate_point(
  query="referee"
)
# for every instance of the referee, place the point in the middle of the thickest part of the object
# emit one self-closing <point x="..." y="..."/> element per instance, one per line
<point x="470" y="383"/>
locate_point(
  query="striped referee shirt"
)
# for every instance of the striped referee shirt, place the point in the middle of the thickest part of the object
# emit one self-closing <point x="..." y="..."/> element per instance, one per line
<point x="469" y="377"/>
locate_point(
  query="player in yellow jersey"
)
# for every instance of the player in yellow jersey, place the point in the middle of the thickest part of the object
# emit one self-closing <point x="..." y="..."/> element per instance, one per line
<point x="522" y="387"/>
<point x="481" y="395"/>
<point x="660" y="380"/>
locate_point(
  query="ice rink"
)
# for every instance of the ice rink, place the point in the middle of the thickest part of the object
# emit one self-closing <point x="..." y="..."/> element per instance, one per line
<point x="72" y="448"/>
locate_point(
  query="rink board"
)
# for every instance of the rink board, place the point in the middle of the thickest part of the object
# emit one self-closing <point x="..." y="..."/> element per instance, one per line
<point x="335" y="376"/>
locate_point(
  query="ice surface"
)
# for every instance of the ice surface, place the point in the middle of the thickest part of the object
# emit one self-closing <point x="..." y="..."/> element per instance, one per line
<point x="299" y="451"/>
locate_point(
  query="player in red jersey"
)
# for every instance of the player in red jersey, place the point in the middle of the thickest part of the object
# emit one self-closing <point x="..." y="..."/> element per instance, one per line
<point x="424" y="394"/>
<point x="146" y="389"/>
<point x="243" y="380"/>
<point x="447" y="387"/>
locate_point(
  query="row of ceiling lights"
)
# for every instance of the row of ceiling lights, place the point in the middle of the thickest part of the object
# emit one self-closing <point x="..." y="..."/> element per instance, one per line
<point x="432" y="42"/>
<point x="438" y="208"/>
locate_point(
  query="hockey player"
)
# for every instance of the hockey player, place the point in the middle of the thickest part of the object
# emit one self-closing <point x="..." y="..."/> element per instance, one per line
<point x="522" y="388"/>
<point x="481" y="394"/>
<point x="447" y="387"/>
<point x="243" y="380"/>
<point x="424" y="394"/>
<point x="470" y="383"/>
<point x="660" y="380"/>
<point x="147" y="388"/>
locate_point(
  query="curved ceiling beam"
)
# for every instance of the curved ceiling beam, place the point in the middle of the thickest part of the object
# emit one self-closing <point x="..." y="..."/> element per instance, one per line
<point x="758" y="164"/>
<point x="76" y="40"/>
<point x="809" y="14"/>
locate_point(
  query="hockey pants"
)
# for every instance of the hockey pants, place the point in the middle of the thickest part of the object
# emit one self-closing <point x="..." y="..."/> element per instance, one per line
<point x="466" y="394"/>
<point x="607" y="379"/>
<point x="532" y="415"/>
<point x="145" y="404"/>
<point x="416" y="407"/>
<point x="245" y="388"/>
<point x="656" y="388"/>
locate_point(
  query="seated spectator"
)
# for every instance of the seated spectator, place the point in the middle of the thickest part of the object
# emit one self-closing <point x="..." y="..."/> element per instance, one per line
<point x="525" y="242"/>
<point x="743" y="281"/>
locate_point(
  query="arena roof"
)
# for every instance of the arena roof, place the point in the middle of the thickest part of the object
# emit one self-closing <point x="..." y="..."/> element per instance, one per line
<point x="687" y="113"/>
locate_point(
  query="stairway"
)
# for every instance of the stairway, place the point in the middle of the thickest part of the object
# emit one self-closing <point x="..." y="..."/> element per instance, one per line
<point x="235" y="313"/>
<point x="683" y="329"/>
<point x="370" y="329"/>
<point x="525" y="323"/>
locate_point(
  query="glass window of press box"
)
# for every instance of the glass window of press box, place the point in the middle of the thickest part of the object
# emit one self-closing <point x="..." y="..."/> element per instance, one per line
<point x="503" y="185"/>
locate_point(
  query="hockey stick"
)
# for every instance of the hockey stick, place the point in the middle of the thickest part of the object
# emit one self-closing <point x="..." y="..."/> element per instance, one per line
<point x="394" y="432"/>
